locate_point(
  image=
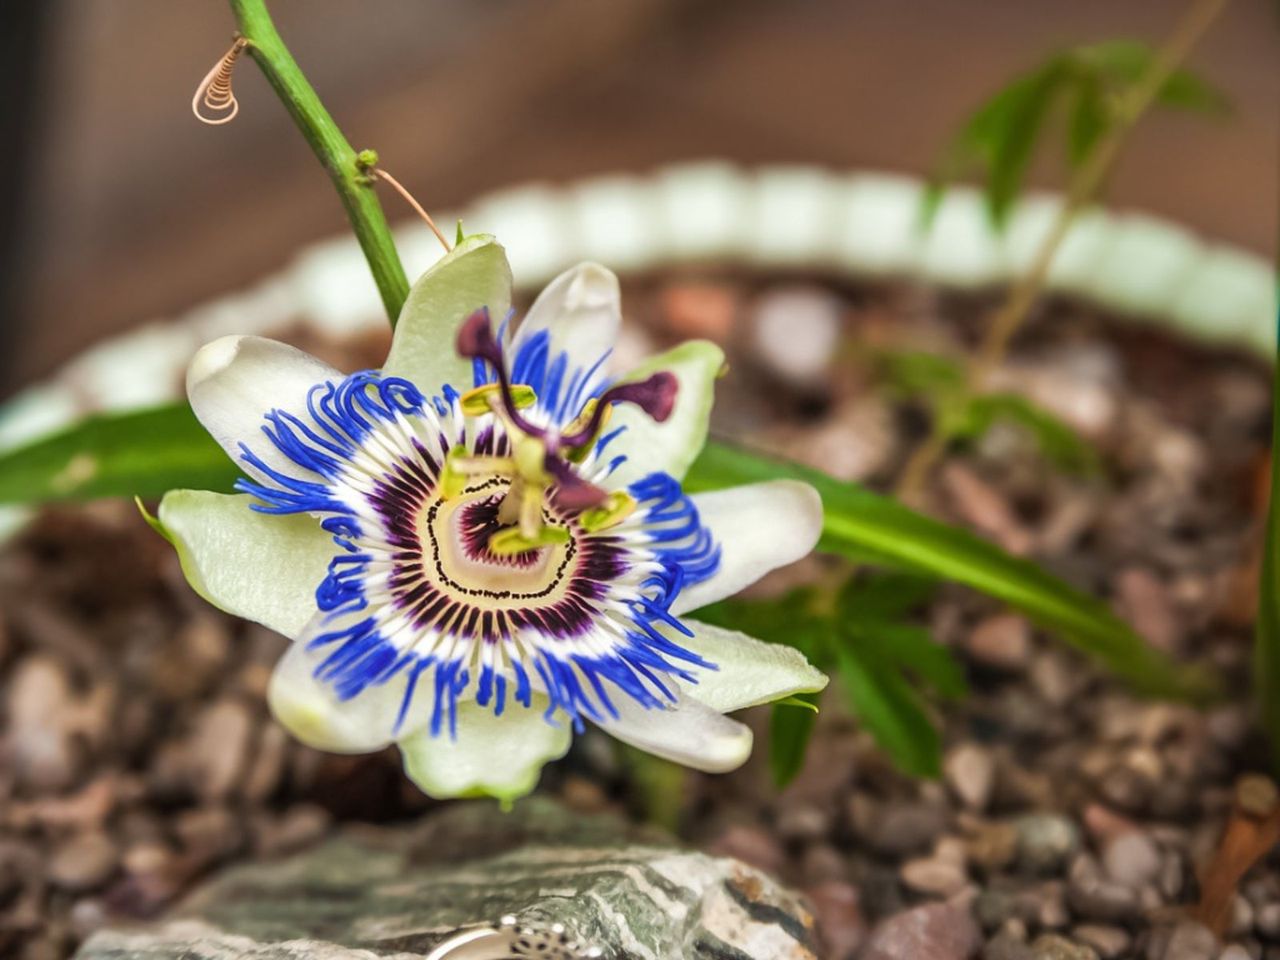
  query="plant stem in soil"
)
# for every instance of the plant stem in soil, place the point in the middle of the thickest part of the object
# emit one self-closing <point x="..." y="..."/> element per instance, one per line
<point x="348" y="173"/>
<point x="1081" y="191"/>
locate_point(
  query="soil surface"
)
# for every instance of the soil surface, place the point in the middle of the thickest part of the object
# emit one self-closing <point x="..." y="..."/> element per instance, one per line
<point x="1074" y="819"/>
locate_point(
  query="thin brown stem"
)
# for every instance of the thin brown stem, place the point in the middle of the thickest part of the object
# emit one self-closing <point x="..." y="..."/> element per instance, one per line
<point x="1087" y="181"/>
<point x="1081" y="191"/>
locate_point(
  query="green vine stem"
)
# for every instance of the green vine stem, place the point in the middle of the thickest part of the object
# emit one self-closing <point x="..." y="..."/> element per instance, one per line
<point x="346" y="169"/>
<point x="1081" y="191"/>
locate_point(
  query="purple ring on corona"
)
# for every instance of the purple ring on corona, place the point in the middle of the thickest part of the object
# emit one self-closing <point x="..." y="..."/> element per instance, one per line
<point x="418" y="590"/>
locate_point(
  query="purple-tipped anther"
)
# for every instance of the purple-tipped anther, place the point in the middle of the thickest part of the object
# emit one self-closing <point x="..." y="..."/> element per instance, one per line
<point x="572" y="493"/>
<point x="477" y="342"/>
<point x="655" y="395"/>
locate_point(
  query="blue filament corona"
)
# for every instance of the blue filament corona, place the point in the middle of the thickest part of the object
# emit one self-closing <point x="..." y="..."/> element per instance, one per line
<point x="339" y="420"/>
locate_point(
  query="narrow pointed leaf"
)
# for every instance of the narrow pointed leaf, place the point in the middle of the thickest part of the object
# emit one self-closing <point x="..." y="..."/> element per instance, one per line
<point x="863" y="524"/>
<point x="882" y="699"/>
<point x="138" y="454"/>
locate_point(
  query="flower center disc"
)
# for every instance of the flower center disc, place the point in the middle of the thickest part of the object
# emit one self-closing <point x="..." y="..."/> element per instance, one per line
<point x="455" y="535"/>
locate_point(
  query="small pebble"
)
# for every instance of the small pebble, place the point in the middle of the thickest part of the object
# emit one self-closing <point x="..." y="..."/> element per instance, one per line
<point x="1051" y="946"/>
<point x="1185" y="940"/>
<point x="1256" y="795"/>
<point x="970" y="771"/>
<point x="796" y="333"/>
<point x="1006" y="945"/>
<point x="822" y="863"/>
<point x="838" y="911"/>
<point x="1002" y="641"/>
<point x="933" y="877"/>
<point x="1267" y="919"/>
<point x="1094" y="897"/>
<point x="1109" y="942"/>
<point x="934" y="931"/>
<point x="752" y="845"/>
<point x="84" y="863"/>
<point x="1144" y="602"/>
<point x="1132" y="859"/>
<point x="802" y="821"/>
<point x="1046" y="841"/>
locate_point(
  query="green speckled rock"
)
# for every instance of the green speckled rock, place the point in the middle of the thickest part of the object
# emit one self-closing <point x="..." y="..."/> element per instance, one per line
<point x="399" y="892"/>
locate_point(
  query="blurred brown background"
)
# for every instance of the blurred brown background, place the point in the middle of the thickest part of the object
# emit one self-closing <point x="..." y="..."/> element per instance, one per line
<point x="122" y="209"/>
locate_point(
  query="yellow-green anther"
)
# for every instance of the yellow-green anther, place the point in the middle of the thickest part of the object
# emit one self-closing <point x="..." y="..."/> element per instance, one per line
<point x="580" y="422"/>
<point x="452" y="479"/>
<point x="486" y="399"/>
<point x="613" y="511"/>
<point x="512" y="540"/>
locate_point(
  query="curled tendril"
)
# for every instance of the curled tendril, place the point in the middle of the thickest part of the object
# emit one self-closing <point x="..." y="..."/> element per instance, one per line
<point x="214" y="102"/>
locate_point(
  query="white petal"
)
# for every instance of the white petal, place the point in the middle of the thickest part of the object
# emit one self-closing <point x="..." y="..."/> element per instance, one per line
<point x="314" y="714"/>
<point x="759" y="527"/>
<point x="473" y="275"/>
<point x="689" y="733"/>
<point x="750" y="671"/>
<point x="582" y="311"/>
<point x="264" y="568"/>
<point x="234" y="382"/>
<point x="670" y="446"/>
<point x="491" y="756"/>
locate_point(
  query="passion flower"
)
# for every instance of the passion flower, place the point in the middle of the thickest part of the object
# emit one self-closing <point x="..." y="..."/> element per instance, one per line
<point x="485" y="545"/>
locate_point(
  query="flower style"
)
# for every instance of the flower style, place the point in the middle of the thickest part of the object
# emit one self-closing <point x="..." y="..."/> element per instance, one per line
<point x="485" y="544"/>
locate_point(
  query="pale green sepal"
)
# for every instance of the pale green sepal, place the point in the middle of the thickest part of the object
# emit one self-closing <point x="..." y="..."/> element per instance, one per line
<point x="673" y="445"/>
<point x="253" y="565"/>
<point x="492" y="756"/>
<point x="152" y="520"/>
<point x="751" y="672"/>
<point x="473" y="275"/>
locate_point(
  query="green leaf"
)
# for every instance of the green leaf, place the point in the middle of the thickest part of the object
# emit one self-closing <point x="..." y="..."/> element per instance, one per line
<point x="882" y="699"/>
<point x="1122" y="62"/>
<point x="999" y="138"/>
<point x="142" y="453"/>
<point x="910" y="648"/>
<point x="1057" y="441"/>
<point x="1089" y="118"/>
<point x="1014" y="139"/>
<point x="919" y="373"/>
<point x="862" y="524"/>
<point x="883" y="596"/>
<point x="789" y="732"/>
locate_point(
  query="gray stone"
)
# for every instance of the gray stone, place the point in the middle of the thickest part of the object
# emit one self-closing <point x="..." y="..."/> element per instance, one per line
<point x="1006" y="946"/>
<point x="400" y="891"/>
<point x="1046" y="841"/>
<point x="1185" y="940"/>
<point x="1109" y="942"/>
<point x="1051" y="946"/>
<point x="899" y="829"/>
<point x="1267" y="919"/>
<point x="936" y="931"/>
